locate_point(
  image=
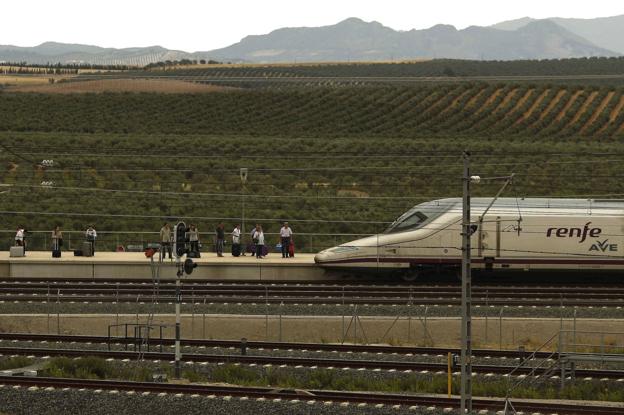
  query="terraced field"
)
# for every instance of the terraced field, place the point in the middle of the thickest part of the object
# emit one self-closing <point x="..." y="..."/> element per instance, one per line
<point x="474" y="109"/>
<point x="427" y="68"/>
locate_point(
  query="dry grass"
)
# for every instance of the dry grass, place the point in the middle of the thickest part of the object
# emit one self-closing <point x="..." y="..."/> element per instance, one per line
<point x="119" y="85"/>
<point x="30" y="79"/>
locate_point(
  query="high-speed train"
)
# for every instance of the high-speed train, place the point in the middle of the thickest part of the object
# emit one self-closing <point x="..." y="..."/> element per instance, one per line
<point x="514" y="234"/>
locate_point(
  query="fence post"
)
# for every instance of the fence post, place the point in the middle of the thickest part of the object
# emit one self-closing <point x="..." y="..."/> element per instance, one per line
<point x="409" y="323"/>
<point x="425" y="331"/>
<point x="500" y="329"/>
<point x="574" y="329"/>
<point x="487" y="308"/>
<point x="280" y="321"/>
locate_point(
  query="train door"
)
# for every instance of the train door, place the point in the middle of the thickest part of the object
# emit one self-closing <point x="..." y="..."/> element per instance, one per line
<point x="489" y="241"/>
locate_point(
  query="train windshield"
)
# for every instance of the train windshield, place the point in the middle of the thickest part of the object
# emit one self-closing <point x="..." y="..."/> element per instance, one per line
<point x="409" y="221"/>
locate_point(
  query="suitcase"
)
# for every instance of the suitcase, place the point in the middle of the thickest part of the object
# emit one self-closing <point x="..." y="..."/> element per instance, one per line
<point x="236" y="249"/>
<point x="78" y="252"/>
<point x="86" y="249"/>
<point x="291" y="249"/>
<point x="16" y="251"/>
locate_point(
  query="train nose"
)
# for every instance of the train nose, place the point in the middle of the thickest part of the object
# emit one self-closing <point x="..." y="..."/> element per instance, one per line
<point x="322" y="257"/>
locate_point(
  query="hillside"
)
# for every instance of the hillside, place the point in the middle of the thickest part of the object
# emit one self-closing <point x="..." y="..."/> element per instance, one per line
<point x="475" y="109"/>
<point x="605" y="32"/>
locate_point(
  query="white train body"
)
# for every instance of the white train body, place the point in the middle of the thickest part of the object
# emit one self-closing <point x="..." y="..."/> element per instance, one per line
<point x="527" y="234"/>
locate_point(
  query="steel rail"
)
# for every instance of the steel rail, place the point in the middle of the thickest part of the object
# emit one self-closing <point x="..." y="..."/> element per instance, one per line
<point x="354" y="348"/>
<point x="405" y="366"/>
<point x="572" y="408"/>
<point x="278" y="300"/>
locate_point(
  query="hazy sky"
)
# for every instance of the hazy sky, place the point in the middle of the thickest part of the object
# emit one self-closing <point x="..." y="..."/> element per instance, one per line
<point x="205" y="25"/>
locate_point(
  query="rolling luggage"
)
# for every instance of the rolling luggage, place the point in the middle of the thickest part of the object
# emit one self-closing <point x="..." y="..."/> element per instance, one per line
<point x="87" y="249"/>
<point x="16" y="251"/>
<point x="78" y="252"/>
<point x="291" y="249"/>
<point x="236" y="249"/>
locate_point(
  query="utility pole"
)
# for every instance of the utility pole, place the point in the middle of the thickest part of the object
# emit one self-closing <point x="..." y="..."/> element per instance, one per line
<point x="466" y="303"/>
<point x="178" y="302"/>
<point x="243" y="176"/>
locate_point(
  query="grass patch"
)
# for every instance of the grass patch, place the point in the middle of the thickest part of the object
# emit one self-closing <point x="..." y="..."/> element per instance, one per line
<point x="15" y="362"/>
<point x="94" y="368"/>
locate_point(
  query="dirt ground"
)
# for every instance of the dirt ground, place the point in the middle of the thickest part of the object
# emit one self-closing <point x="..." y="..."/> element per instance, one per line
<point x="508" y="333"/>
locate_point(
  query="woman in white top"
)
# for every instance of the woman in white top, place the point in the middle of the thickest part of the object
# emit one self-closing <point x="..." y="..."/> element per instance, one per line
<point x="258" y="237"/>
<point x="91" y="235"/>
<point x="236" y="240"/>
<point x="19" y="236"/>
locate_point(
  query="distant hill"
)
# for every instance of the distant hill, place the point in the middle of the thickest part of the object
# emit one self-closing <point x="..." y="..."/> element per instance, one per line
<point x="605" y="32"/>
<point x="356" y="40"/>
<point x="53" y="52"/>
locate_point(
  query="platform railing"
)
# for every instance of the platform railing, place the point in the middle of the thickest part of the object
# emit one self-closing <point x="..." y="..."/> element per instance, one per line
<point x="38" y="240"/>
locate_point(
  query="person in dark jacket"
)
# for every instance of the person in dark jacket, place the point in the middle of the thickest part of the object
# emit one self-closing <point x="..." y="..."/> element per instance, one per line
<point x="220" y="235"/>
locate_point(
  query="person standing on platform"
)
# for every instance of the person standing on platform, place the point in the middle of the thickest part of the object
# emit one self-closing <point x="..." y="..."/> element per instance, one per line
<point x="236" y="241"/>
<point x="20" y="237"/>
<point x="258" y="238"/>
<point x="193" y="235"/>
<point x="220" y="234"/>
<point x="165" y="241"/>
<point x="251" y="236"/>
<point x="285" y="236"/>
<point x="57" y="238"/>
<point x="91" y="236"/>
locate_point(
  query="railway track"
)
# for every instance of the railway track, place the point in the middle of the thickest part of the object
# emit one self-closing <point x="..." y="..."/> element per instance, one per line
<point x="208" y="292"/>
<point x="291" y="346"/>
<point x="402" y="366"/>
<point x="492" y="404"/>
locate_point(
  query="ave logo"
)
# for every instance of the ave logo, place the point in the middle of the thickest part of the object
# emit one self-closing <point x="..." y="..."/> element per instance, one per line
<point x="604" y="246"/>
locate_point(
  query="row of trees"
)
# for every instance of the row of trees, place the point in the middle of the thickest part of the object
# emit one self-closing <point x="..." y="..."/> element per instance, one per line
<point x="432" y="68"/>
<point x="182" y="62"/>
<point x="65" y="66"/>
<point x="383" y="111"/>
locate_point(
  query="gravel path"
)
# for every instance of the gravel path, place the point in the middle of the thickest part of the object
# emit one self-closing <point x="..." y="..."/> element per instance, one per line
<point x="311" y="309"/>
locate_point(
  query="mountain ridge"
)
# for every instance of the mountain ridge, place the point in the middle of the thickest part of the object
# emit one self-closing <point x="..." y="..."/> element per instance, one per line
<point x="354" y="39"/>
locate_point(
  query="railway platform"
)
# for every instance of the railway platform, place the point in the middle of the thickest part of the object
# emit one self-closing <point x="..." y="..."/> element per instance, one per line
<point x="134" y="265"/>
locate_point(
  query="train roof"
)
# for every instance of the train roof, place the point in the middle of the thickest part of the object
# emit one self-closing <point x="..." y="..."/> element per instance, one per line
<point x="533" y="205"/>
<point x="531" y="202"/>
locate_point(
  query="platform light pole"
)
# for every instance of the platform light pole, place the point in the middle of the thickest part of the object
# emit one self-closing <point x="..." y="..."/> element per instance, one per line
<point x="466" y="302"/>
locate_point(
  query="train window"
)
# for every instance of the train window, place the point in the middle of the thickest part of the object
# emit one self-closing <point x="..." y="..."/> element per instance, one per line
<point x="407" y="222"/>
